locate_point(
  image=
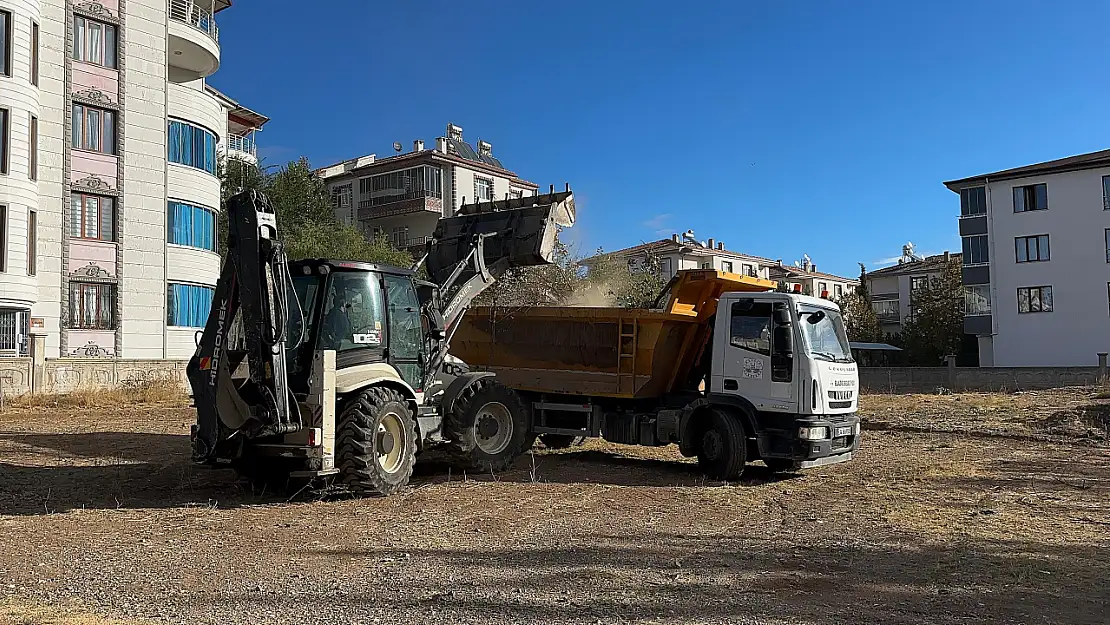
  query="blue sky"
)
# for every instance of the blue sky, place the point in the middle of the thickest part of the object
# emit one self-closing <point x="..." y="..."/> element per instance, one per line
<point x="781" y="128"/>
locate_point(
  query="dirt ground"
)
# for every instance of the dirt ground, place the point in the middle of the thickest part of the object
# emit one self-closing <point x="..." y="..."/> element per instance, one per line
<point x="958" y="509"/>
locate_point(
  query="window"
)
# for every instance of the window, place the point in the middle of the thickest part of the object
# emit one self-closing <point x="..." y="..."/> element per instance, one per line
<point x="977" y="299"/>
<point x="822" y="289"/>
<point x="32" y="243"/>
<point x="1033" y="299"/>
<point x="5" y="43"/>
<point x="1031" y="249"/>
<point x="399" y="235"/>
<point x="707" y="265"/>
<point x="92" y="217"/>
<point x="4" y="114"/>
<point x="1033" y="197"/>
<point x="3" y="238"/>
<point x="406" y="338"/>
<point x="92" y="306"/>
<point x="187" y="305"/>
<point x="838" y="290"/>
<point x="1107" y="233"/>
<point x="191" y="225"/>
<point x="973" y="201"/>
<point x="352" y="312"/>
<point x="192" y="146"/>
<point x="407" y="184"/>
<point x="975" y="250"/>
<point x="34" y="54"/>
<point x="919" y="282"/>
<point x="726" y="265"/>
<point x="341" y="196"/>
<point x="33" y="137"/>
<point x="751" y="327"/>
<point x="515" y="194"/>
<point x="1106" y="193"/>
<point x="748" y="269"/>
<point x="886" y="309"/>
<point x="94" y="42"/>
<point x="666" y="268"/>
<point x="94" y="129"/>
<point x="483" y="189"/>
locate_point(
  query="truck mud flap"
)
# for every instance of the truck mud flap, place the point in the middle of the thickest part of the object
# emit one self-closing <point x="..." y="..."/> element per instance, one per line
<point x="820" y="462"/>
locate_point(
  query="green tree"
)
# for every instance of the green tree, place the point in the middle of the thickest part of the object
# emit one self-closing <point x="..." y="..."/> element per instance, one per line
<point x="860" y="321"/>
<point x="935" y="327"/>
<point x="620" y="281"/>
<point x="782" y="287"/>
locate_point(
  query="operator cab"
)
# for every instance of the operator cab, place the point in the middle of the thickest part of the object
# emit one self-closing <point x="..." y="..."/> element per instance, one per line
<point x="367" y="313"/>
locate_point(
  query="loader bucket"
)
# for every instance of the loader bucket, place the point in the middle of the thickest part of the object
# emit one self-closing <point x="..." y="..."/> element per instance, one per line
<point x="517" y="232"/>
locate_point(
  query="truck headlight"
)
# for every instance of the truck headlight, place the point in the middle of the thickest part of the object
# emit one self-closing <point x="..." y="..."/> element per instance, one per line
<point x="813" y="434"/>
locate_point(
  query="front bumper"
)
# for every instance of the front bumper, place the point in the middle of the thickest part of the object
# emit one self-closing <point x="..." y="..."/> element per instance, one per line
<point x="783" y="442"/>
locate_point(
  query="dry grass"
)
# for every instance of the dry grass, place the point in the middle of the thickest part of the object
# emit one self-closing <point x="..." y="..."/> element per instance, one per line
<point x="13" y="613"/>
<point x="153" y="391"/>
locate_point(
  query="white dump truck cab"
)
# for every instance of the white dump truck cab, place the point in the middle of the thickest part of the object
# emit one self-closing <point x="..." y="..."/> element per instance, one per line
<point x="787" y="358"/>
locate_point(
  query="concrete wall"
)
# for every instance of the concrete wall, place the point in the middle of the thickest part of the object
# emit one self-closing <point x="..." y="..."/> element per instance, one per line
<point x="67" y="374"/>
<point x="929" y="379"/>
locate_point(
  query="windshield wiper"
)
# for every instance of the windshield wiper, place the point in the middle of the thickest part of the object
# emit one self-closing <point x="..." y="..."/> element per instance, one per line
<point x="826" y="356"/>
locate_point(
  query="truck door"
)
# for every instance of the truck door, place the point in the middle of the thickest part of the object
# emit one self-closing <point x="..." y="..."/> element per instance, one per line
<point x="406" y="336"/>
<point x="745" y="347"/>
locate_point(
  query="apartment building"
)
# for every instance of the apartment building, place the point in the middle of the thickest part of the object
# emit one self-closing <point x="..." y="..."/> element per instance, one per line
<point x="890" y="287"/>
<point x="108" y="178"/>
<point x="686" y="252"/>
<point x="403" y="196"/>
<point x="1036" y="271"/>
<point x="803" y="277"/>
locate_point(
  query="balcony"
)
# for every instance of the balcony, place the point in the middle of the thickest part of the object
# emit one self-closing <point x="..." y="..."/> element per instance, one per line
<point x="415" y="244"/>
<point x="193" y="40"/>
<point x="373" y="209"/>
<point x="243" y="147"/>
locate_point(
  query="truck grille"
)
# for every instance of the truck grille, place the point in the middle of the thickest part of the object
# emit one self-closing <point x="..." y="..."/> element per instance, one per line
<point x="841" y="395"/>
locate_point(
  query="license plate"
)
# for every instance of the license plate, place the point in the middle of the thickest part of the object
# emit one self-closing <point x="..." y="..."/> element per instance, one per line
<point x="842" y="431"/>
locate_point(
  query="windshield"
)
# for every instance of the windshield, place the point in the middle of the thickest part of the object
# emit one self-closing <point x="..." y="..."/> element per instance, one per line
<point x="825" y="339"/>
<point x="305" y="288"/>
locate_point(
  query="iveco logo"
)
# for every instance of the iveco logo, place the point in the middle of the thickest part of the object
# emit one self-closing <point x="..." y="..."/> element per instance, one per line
<point x="843" y="383"/>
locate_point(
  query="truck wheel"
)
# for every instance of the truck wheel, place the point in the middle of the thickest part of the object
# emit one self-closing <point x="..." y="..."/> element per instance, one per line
<point x="723" y="448"/>
<point x="376" y="442"/>
<point x="561" y="441"/>
<point x="490" y="427"/>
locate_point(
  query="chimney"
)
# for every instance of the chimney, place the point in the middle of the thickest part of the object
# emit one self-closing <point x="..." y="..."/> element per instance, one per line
<point x="441" y="145"/>
<point x="674" y="237"/>
<point x="721" y="245"/>
<point x="947" y="256"/>
<point x="417" y="146"/>
<point x="813" y="268"/>
<point x="485" y="148"/>
<point x="711" y="243"/>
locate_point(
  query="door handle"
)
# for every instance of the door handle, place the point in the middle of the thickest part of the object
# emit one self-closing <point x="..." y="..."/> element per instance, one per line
<point x="731" y="385"/>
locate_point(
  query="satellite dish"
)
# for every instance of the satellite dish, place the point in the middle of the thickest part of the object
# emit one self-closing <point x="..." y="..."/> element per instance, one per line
<point x="396" y="146"/>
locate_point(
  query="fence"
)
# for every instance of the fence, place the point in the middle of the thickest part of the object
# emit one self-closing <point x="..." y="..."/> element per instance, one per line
<point x="929" y="379"/>
<point x="19" y="375"/>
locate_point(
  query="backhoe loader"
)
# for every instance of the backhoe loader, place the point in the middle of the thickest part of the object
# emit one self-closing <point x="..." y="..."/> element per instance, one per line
<point x="341" y="369"/>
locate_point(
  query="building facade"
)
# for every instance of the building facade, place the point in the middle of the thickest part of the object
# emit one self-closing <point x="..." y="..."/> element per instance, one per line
<point x="685" y="252"/>
<point x="1036" y="261"/>
<point x="108" y="187"/>
<point x="890" y="287"/>
<point x="402" y="197"/>
<point x="804" y="278"/>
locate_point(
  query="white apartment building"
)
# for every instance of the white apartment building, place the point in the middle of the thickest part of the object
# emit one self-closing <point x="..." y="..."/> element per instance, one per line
<point x="108" y="185"/>
<point x="685" y="252"/>
<point x="890" y="287"/>
<point x="1036" y="270"/>
<point x="404" y="195"/>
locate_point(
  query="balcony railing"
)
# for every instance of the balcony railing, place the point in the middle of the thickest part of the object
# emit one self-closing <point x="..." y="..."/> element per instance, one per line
<point x="196" y="13"/>
<point x="242" y="144"/>
<point x="412" y="242"/>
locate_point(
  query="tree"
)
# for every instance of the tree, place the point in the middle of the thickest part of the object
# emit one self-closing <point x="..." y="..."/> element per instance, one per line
<point x="935" y="327"/>
<point x="860" y="321"/>
<point x="306" y="221"/>
<point x="620" y="281"/>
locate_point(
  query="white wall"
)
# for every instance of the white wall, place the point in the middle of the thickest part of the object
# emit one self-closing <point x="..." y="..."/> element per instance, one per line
<point x="52" y="58"/>
<point x="1078" y="272"/>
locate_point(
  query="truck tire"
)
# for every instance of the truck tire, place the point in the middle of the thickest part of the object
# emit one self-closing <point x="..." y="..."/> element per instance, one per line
<point x="723" y="447"/>
<point x="489" y="427"/>
<point x="375" y="447"/>
<point x="561" y="441"/>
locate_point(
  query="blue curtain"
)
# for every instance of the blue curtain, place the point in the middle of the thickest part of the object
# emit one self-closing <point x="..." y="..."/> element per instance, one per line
<point x="193" y="146"/>
<point x="190" y="225"/>
<point x="189" y="305"/>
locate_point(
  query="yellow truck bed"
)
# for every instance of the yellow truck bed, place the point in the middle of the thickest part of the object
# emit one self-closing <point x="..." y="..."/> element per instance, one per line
<point x="599" y="352"/>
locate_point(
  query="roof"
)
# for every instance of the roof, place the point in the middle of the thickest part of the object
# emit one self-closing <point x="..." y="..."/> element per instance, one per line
<point x="222" y="4"/>
<point x="1060" y="165"/>
<point x="929" y="263"/>
<point x="789" y="271"/>
<point x="670" y="245"/>
<point x="482" y="163"/>
<point x="248" y="117"/>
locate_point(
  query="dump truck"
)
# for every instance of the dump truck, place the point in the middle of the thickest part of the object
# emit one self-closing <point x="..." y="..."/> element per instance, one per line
<point x="728" y="369"/>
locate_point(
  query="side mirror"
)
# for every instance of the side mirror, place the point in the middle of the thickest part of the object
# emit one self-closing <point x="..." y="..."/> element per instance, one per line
<point x="815" y="317"/>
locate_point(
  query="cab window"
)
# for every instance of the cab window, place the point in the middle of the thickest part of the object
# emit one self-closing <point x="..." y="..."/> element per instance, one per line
<point x="751" y="327"/>
<point x="353" y="312"/>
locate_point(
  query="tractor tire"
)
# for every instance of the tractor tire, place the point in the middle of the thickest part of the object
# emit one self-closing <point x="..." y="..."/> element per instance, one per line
<point x="489" y="427"/>
<point x="376" y="442"/>
<point x="561" y="441"/>
<point x="723" y="447"/>
<point x="781" y="465"/>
